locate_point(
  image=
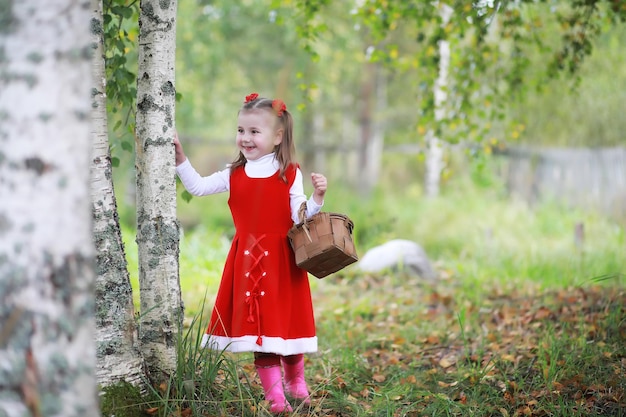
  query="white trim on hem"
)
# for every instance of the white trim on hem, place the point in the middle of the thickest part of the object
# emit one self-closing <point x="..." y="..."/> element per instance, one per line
<point x="276" y="345"/>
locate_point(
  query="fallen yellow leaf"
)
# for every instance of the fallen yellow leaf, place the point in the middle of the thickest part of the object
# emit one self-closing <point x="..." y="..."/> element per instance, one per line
<point x="379" y="377"/>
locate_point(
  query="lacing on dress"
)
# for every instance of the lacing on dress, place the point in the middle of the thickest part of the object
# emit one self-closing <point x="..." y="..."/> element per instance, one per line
<point x="255" y="273"/>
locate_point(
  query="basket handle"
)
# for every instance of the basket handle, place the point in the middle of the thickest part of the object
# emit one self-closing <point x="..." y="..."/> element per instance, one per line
<point x="302" y="212"/>
<point x="349" y="225"/>
<point x="302" y="218"/>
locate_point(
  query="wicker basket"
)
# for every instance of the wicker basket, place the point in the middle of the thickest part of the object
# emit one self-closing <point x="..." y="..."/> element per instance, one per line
<point x="323" y="243"/>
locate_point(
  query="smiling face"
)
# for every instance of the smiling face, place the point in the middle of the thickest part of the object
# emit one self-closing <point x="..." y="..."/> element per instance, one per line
<point x="258" y="133"/>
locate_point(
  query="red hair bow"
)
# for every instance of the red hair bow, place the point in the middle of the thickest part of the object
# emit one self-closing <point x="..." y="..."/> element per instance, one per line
<point x="251" y="97"/>
<point x="279" y="107"/>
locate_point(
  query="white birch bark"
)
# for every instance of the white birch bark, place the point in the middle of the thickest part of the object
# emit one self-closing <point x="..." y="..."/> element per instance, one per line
<point x="118" y="357"/>
<point x="349" y="129"/>
<point x="434" y="152"/>
<point x="47" y="355"/>
<point x="157" y="227"/>
<point x="374" y="102"/>
<point x="374" y="152"/>
<point x="366" y="122"/>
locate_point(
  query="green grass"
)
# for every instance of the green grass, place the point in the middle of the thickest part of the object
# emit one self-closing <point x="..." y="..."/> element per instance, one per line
<point x="438" y="351"/>
<point x="521" y="322"/>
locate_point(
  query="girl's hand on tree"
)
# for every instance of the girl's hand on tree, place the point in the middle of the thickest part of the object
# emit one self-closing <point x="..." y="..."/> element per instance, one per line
<point x="178" y="149"/>
<point x="320" y="184"/>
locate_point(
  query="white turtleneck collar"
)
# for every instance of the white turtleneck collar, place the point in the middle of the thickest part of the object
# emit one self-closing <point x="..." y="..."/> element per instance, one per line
<point x="263" y="167"/>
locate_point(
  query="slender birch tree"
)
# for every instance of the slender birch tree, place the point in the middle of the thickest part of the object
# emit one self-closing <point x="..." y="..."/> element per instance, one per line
<point x="435" y="146"/>
<point x="157" y="226"/>
<point x="47" y="344"/>
<point x="118" y="356"/>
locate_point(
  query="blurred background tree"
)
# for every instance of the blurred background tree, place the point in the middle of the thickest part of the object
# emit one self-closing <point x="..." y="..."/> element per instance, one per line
<point x="359" y="74"/>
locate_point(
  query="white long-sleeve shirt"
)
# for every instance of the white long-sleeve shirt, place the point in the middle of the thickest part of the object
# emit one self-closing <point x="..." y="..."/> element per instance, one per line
<point x="263" y="167"/>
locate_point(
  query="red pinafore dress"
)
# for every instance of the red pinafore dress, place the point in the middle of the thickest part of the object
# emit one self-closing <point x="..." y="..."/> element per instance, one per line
<point x="264" y="300"/>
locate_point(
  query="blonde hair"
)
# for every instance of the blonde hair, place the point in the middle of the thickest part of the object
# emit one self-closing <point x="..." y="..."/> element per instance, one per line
<point x="286" y="149"/>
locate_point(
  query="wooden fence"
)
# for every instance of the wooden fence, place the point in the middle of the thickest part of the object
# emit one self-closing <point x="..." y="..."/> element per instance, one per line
<point x="590" y="178"/>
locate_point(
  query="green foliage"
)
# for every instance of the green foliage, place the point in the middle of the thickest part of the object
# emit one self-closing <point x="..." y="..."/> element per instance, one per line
<point x="580" y="24"/>
<point x="491" y="43"/>
<point x="121" y="31"/>
<point x="186" y="196"/>
<point x="269" y="59"/>
<point x="405" y="37"/>
<point x="557" y="115"/>
<point x="213" y="78"/>
<point x="120" y="36"/>
<point x="308" y="27"/>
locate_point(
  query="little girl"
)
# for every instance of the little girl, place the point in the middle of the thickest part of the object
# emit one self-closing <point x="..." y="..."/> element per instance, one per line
<point x="263" y="303"/>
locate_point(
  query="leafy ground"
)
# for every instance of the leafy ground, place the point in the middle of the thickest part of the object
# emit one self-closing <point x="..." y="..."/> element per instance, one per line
<point x="394" y="346"/>
<point x="523" y="321"/>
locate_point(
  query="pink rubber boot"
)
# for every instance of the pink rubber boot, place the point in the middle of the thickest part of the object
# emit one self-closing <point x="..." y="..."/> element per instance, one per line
<point x="272" y="381"/>
<point x="294" y="378"/>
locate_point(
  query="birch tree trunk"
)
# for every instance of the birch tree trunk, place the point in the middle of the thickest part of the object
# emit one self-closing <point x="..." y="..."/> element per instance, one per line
<point x="374" y="151"/>
<point x="118" y="356"/>
<point x="48" y="356"/>
<point x="157" y="226"/>
<point x="434" y="152"/>
<point x="373" y="102"/>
